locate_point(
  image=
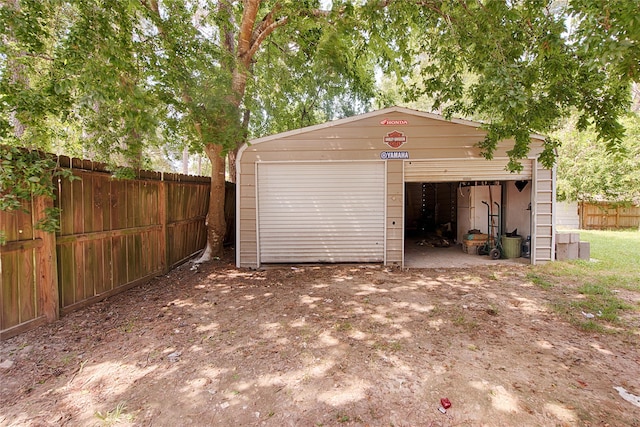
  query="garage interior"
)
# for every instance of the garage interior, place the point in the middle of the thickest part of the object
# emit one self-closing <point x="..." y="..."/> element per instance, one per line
<point x="439" y="215"/>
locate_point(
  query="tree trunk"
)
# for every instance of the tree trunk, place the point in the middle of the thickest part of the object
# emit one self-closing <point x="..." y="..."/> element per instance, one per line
<point x="216" y="224"/>
<point x="233" y="154"/>
<point x="249" y="39"/>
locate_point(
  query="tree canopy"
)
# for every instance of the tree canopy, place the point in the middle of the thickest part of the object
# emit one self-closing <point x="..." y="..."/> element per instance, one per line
<point x="587" y="171"/>
<point x="115" y="76"/>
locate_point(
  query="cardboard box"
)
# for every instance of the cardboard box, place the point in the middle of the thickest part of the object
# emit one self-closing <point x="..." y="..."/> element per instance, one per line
<point x="471" y="246"/>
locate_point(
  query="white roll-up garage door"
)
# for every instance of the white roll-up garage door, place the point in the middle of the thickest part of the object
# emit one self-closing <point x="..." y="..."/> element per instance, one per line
<point x="321" y="212"/>
<point x="442" y="170"/>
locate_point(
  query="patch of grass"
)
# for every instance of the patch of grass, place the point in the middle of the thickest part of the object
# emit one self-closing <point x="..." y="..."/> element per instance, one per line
<point x="129" y="326"/>
<point x="342" y="417"/>
<point x="614" y="265"/>
<point x="462" y="321"/>
<point x="616" y="259"/>
<point x="392" y="346"/>
<point x="591" y="326"/>
<point x="344" y="326"/>
<point x="539" y="280"/>
<point x="68" y="358"/>
<point x="591" y="289"/>
<point x="116" y="415"/>
<point x="601" y="302"/>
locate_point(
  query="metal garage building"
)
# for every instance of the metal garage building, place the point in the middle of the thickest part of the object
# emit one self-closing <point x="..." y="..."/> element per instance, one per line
<point x="353" y="190"/>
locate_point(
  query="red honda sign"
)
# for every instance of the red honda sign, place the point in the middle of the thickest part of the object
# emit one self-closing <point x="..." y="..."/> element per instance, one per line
<point x="393" y="122"/>
<point x="395" y="139"/>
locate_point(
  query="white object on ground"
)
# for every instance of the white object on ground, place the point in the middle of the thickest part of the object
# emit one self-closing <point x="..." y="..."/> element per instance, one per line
<point x="633" y="399"/>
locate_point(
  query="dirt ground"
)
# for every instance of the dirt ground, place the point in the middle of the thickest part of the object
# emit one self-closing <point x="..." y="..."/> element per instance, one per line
<point x="339" y="345"/>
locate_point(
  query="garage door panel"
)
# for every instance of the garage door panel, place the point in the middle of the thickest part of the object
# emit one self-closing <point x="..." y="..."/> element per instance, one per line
<point x="464" y="170"/>
<point x="321" y="212"/>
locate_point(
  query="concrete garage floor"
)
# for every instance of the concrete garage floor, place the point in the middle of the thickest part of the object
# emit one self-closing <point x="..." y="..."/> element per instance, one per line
<point x="418" y="256"/>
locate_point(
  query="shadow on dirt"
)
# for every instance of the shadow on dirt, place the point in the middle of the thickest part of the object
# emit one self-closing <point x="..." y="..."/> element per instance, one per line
<point x="319" y="345"/>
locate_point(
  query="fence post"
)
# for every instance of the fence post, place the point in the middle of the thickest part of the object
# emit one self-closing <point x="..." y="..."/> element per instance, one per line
<point x="46" y="265"/>
<point x="162" y="215"/>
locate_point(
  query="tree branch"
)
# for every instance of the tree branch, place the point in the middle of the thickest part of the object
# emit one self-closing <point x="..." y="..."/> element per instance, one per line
<point x="152" y="5"/>
<point x="249" y="13"/>
<point x="263" y="35"/>
<point x="266" y="21"/>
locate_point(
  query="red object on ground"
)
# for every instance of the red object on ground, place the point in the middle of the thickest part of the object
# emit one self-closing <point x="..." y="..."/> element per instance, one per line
<point x="446" y="403"/>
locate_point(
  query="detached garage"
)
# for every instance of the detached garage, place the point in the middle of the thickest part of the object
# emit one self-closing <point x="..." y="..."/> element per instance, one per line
<point x="362" y="188"/>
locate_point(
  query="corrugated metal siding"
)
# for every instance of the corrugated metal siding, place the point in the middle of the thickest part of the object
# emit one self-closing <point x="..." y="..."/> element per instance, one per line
<point x="395" y="213"/>
<point x="543" y="239"/>
<point x="321" y="212"/>
<point x="463" y="170"/>
<point x="567" y="215"/>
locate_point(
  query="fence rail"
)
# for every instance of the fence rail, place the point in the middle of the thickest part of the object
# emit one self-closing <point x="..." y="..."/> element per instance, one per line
<point x="114" y="234"/>
<point x="599" y="216"/>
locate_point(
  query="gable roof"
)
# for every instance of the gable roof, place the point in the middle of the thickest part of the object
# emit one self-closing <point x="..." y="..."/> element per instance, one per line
<point x="382" y="112"/>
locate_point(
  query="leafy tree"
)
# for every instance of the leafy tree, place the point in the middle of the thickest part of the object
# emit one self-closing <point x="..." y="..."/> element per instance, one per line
<point x="587" y="171"/>
<point x="522" y="66"/>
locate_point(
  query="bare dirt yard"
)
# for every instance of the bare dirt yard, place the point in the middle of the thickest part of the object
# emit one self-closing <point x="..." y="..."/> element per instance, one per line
<point x="361" y="345"/>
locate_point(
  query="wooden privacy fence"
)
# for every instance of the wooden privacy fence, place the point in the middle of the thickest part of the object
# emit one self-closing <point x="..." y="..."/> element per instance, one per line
<point x="114" y="234"/>
<point x="600" y="216"/>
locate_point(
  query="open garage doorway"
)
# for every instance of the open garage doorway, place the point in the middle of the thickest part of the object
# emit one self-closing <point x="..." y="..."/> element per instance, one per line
<point x="441" y="216"/>
<point x="430" y="213"/>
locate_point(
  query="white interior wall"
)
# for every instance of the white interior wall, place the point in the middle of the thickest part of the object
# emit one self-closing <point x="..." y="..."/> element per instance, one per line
<point x="517" y="216"/>
<point x="472" y="213"/>
<point x="464" y="212"/>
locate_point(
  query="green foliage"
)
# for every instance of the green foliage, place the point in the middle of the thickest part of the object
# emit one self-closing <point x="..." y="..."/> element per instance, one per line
<point x="128" y="77"/>
<point x="588" y="171"/>
<point x="315" y="70"/>
<point x="521" y="66"/>
<point x="25" y="174"/>
<point x="51" y="220"/>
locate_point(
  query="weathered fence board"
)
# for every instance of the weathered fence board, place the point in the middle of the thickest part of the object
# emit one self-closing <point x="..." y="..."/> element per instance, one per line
<point x="608" y="216"/>
<point x="25" y="271"/>
<point x="114" y="234"/>
<point x="184" y="217"/>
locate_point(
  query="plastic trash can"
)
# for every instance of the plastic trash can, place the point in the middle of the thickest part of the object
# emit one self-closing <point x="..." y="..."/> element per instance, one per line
<point x="511" y="247"/>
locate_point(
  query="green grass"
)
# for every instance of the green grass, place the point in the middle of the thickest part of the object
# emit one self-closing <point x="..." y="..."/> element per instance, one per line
<point x="614" y="266"/>
<point x="539" y="280"/>
<point x="615" y="260"/>
<point x="616" y="253"/>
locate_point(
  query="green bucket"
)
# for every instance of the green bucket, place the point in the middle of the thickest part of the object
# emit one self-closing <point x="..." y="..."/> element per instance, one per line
<point x="511" y="247"/>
